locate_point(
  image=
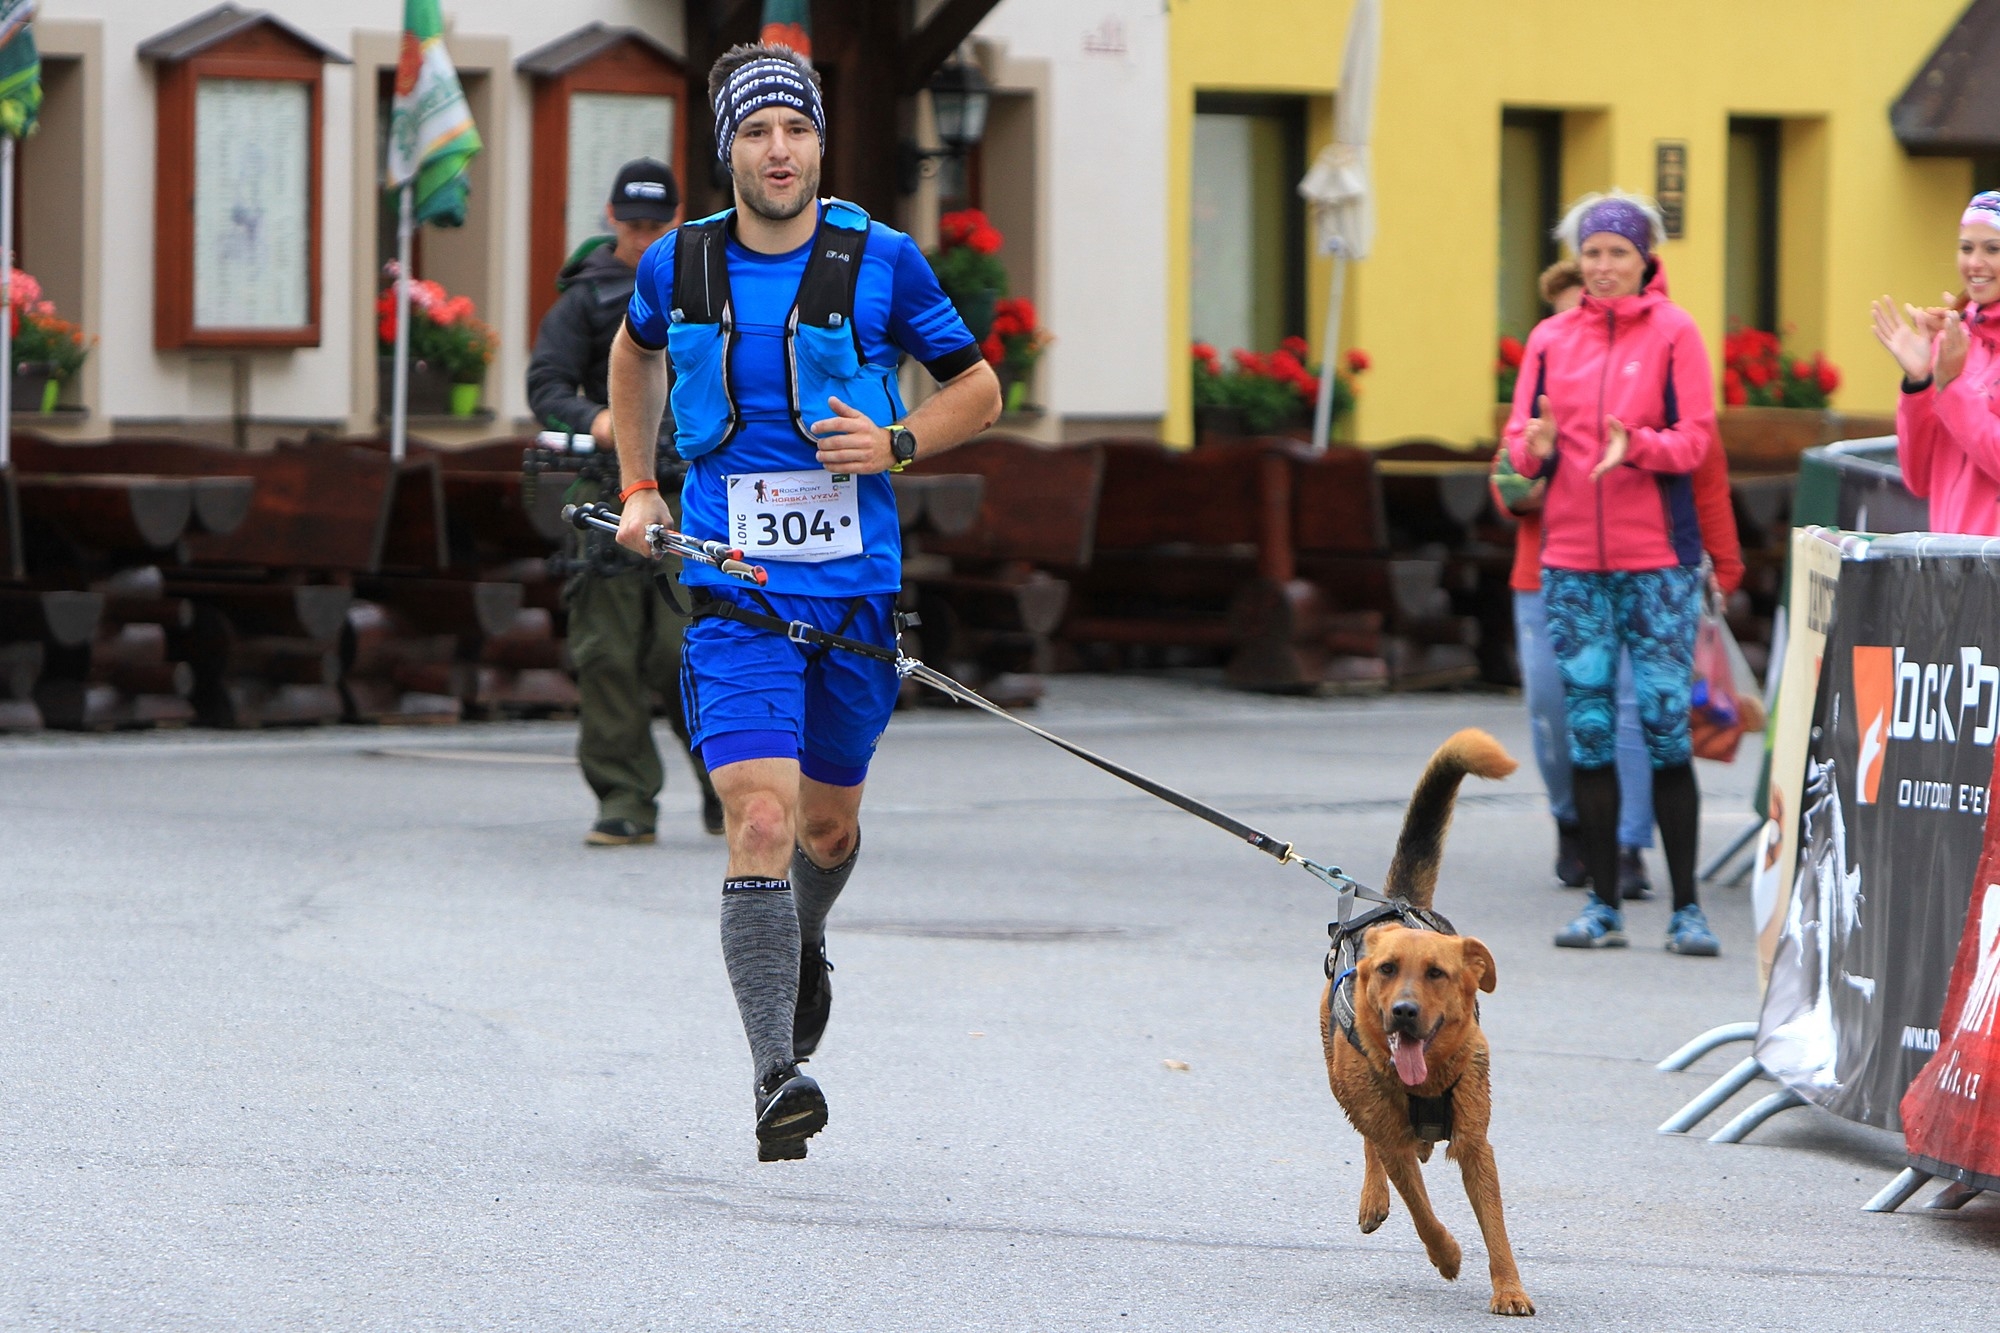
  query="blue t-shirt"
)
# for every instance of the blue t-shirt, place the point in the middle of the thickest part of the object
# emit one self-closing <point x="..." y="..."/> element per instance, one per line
<point x="899" y="308"/>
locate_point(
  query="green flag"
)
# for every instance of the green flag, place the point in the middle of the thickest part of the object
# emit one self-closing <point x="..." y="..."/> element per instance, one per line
<point x="20" y="68"/>
<point x="431" y="135"/>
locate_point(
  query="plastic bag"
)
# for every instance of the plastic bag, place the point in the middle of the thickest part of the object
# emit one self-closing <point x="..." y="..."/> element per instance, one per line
<point x="1715" y="713"/>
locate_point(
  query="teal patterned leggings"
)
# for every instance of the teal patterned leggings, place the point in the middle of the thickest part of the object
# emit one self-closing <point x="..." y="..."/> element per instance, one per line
<point x="1652" y="614"/>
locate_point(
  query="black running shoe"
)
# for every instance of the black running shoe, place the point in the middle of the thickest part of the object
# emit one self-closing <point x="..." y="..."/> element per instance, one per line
<point x="790" y="1110"/>
<point x="815" y="1001"/>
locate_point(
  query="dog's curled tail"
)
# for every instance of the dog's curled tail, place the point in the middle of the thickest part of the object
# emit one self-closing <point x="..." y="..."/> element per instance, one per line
<point x="1414" y="871"/>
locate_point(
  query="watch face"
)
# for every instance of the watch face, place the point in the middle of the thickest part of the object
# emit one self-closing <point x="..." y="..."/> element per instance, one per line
<point x="903" y="445"/>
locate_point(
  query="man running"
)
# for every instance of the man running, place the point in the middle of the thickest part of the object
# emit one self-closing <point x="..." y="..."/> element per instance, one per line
<point x="785" y="319"/>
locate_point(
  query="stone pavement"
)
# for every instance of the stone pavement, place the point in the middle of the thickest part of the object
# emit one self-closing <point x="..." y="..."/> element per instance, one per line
<point x="348" y="1030"/>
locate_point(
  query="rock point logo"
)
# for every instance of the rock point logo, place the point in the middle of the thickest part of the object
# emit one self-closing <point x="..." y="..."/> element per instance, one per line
<point x="1903" y="700"/>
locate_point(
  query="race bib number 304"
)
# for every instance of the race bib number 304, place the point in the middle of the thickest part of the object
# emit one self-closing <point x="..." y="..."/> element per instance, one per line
<point x="806" y="516"/>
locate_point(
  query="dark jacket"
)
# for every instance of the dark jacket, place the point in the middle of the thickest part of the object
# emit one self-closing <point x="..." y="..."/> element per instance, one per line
<point x="569" y="372"/>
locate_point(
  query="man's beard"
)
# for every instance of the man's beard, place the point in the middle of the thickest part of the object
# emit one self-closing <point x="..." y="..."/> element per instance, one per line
<point x="758" y="202"/>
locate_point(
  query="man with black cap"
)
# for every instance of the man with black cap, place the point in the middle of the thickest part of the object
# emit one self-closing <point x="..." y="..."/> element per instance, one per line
<point x="624" y="640"/>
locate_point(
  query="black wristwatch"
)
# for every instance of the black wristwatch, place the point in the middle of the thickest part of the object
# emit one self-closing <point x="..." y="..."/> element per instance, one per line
<point x="902" y="447"/>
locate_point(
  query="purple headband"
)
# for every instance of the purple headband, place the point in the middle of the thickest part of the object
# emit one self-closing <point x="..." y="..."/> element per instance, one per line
<point x="1984" y="209"/>
<point x="1621" y="219"/>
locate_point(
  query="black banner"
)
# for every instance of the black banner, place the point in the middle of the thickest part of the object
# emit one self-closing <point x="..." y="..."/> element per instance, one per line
<point x="1891" y="827"/>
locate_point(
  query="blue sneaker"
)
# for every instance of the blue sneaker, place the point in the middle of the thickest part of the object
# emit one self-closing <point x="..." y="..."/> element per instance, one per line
<point x="1597" y="926"/>
<point x="1688" y="933"/>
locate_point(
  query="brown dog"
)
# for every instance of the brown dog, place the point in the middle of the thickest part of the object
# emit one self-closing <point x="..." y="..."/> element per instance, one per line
<point x="1413" y="1069"/>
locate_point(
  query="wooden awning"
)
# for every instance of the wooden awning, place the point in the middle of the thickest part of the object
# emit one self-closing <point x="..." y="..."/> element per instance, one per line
<point x="1952" y="106"/>
<point x="219" y="25"/>
<point x="586" y="44"/>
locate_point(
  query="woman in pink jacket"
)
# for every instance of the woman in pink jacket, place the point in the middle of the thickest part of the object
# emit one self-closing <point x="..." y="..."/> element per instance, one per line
<point x="1947" y="430"/>
<point x="1615" y="407"/>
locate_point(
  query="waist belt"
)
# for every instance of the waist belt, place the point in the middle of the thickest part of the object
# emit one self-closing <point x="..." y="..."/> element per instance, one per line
<point x="707" y="604"/>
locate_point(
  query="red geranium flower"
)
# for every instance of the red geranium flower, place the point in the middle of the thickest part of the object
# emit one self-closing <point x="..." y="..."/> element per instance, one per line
<point x="984" y="239"/>
<point x="955" y="228"/>
<point x="1297" y="347"/>
<point x="1829" y="378"/>
<point x="1733" y="394"/>
<point x="1358" y="361"/>
<point x="1757" y="373"/>
<point x="992" y="350"/>
<point x="1511" y="352"/>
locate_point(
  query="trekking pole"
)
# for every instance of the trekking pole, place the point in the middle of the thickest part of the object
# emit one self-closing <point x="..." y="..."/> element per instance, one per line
<point x="665" y="541"/>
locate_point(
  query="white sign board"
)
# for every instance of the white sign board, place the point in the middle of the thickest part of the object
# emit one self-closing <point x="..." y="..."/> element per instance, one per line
<point x="607" y="130"/>
<point x="252" y="196"/>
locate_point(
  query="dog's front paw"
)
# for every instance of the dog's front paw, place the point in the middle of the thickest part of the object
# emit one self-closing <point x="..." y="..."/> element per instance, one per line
<point x="1373" y="1214"/>
<point x="1511" y="1300"/>
<point x="1445" y="1254"/>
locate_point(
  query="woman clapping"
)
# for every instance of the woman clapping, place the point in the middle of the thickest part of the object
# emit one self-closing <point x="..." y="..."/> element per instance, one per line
<point x="1615" y="406"/>
<point x="1947" y="436"/>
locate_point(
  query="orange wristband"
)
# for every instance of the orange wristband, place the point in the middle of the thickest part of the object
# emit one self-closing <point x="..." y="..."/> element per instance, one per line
<point x="635" y="488"/>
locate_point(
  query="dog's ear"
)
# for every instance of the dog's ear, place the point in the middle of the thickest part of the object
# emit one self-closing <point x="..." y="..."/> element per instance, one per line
<point x="1479" y="956"/>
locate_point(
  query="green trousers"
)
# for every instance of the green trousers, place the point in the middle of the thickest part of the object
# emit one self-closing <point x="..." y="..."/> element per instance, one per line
<point x="626" y="644"/>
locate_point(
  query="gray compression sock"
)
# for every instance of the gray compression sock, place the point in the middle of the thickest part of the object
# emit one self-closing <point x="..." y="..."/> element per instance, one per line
<point x="814" y="891"/>
<point x="760" y="947"/>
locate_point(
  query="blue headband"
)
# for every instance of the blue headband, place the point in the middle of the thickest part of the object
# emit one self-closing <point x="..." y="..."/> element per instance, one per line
<point x="765" y="81"/>
<point x="1620" y="219"/>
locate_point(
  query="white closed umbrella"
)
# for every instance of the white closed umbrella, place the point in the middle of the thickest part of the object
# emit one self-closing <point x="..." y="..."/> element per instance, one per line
<point x="1338" y="186"/>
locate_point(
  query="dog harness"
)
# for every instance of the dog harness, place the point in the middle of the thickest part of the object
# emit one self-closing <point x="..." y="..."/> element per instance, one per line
<point x="1430" y="1117"/>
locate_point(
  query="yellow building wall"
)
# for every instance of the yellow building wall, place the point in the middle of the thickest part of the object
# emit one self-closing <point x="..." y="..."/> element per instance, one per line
<point x="1858" y="216"/>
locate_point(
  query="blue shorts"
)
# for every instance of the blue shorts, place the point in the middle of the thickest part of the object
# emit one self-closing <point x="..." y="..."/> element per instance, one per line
<point x="754" y="694"/>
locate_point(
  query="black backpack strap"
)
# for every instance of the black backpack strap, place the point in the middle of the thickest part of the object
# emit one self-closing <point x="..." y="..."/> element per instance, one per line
<point x="833" y="273"/>
<point x="701" y="271"/>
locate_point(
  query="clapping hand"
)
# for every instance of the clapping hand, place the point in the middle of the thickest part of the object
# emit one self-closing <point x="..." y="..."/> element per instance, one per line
<point x="1951" y="348"/>
<point x="1908" y="340"/>
<point x="1616" y="442"/>
<point x="1542" y="431"/>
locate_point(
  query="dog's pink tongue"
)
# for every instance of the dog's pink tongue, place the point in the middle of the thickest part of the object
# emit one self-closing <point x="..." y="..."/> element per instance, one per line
<point x="1408" y="1053"/>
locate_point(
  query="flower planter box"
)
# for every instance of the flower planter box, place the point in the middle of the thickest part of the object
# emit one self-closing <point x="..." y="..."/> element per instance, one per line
<point x="1770" y="439"/>
<point x="430" y="389"/>
<point x="32" y="382"/>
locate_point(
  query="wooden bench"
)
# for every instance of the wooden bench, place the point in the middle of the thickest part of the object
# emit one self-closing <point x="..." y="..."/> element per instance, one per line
<point x="996" y="530"/>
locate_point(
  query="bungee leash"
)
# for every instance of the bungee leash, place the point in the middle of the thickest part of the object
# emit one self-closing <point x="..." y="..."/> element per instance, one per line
<point x="665" y="541"/>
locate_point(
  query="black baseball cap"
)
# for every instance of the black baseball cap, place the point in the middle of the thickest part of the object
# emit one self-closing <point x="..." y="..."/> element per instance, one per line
<point x="645" y="189"/>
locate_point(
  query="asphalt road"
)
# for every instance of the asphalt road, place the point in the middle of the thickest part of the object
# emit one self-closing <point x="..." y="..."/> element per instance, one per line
<point x="348" y="1030"/>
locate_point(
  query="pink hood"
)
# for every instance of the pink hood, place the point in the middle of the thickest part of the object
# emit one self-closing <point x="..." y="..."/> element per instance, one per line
<point x="1641" y="360"/>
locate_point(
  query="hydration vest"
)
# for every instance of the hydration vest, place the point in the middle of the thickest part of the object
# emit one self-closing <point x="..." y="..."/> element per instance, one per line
<point x="823" y="355"/>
